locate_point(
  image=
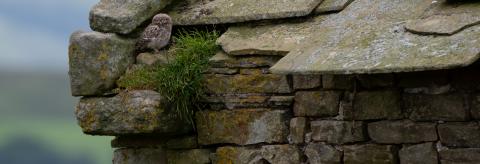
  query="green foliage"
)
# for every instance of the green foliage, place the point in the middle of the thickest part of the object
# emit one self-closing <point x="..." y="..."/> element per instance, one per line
<point x="180" y="81"/>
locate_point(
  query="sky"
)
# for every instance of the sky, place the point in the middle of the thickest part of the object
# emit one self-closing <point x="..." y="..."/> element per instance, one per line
<point x="34" y="33"/>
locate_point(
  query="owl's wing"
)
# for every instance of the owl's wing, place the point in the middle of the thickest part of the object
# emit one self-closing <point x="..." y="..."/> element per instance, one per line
<point x="164" y="33"/>
<point x="151" y="32"/>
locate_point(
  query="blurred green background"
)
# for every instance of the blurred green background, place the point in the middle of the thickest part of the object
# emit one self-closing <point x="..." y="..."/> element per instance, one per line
<point x="37" y="124"/>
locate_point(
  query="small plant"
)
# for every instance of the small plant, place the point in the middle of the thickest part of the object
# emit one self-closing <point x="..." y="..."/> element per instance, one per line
<point x="180" y="81"/>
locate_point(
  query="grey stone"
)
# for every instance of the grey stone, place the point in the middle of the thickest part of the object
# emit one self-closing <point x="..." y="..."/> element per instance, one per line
<point x="332" y="6"/>
<point x="188" y="142"/>
<point x="242" y="127"/>
<point x="460" y="134"/>
<point x="319" y="153"/>
<point x="370" y="153"/>
<point x="372" y="105"/>
<point x="460" y="156"/>
<point x="338" y="132"/>
<point x="419" y="154"/>
<point x="298" y="127"/>
<point x="141" y="155"/>
<point x="131" y="112"/>
<point x="432" y="90"/>
<point x="281" y="154"/>
<point x="306" y="81"/>
<point x="223" y="60"/>
<point x="405" y="131"/>
<point x="161" y="58"/>
<point x="97" y="60"/>
<point x="196" y="12"/>
<point x="225" y="71"/>
<point x="376" y="80"/>
<point x="316" y="103"/>
<point x="253" y="71"/>
<point x="444" y="19"/>
<point x="337" y="82"/>
<point x="120" y="16"/>
<point x="281" y="100"/>
<point x="369" y="36"/>
<point x="235" y="101"/>
<point x="194" y="156"/>
<point x="444" y="107"/>
<point x="260" y="83"/>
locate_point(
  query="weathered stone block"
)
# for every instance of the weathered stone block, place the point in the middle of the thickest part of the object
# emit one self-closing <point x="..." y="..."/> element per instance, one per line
<point x="97" y="60"/>
<point x="298" y="127"/>
<point x="188" y="142"/>
<point x="225" y="71"/>
<point x="194" y="156"/>
<point x="253" y="71"/>
<point x="161" y="58"/>
<point x="132" y="112"/>
<point x="306" y="81"/>
<point x="460" y="156"/>
<point x="372" y="105"/>
<point x="460" y="134"/>
<point x="370" y="153"/>
<point x="419" y="154"/>
<point x="278" y="154"/>
<point x="224" y="60"/>
<point x="235" y="101"/>
<point x="316" y="103"/>
<point x="405" y="131"/>
<point x="123" y="16"/>
<point x="338" y="82"/>
<point x="318" y="153"/>
<point x="445" y="107"/>
<point x="376" y="80"/>
<point x="242" y="127"/>
<point x="137" y="141"/>
<point x="338" y="132"/>
<point x="281" y="100"/>
<point x="261" y="83"/>
<point x="143" y="155"/>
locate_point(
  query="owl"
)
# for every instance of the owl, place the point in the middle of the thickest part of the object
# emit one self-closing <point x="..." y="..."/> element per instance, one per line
<point x="157" y="34"/>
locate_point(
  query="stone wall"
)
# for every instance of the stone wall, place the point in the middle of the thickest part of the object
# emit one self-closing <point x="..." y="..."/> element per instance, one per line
<point x="258" y="117"/>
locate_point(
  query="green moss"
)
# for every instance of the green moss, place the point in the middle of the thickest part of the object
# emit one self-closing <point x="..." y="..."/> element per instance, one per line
<point x="139" y="78"/>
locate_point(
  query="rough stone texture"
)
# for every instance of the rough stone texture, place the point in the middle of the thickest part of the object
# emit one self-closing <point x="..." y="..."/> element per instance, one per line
<point x="419" y="154"/>
<point x="97" y="60"/>
<point x="338" y="132"/>
<point x="370" y="153"/>
<point x="223" y="60"/>
<point x="306" y="81"/>
<point x="444" y="19"/>
<point x="193" y="156"/>
<point x="225" y="71"/>
<point x="252" y="71"/>
<point x="132" y="112"/>
<point x="318" y="153"/>
<point x="376" y="80"/>
<point x="475" y="111"/>
<point x="234" y="101"/>
<point x="369" y="36"/>
<point x="332" y="6"/>
<point x="242" y="127"/>
<point x="405" y="131"/>
<point x="338" y="82"/>
<point x="120" y="16"/>
<point x="194" y="12"/>
<point x="445" y="107"/>
<point x="137" y="141"/>
<point x="278" y="154"/>
<point x="372" y="105"/>
<point x="460" y="134"/>
<point x="281" y="100"/>
<point x="298" y="127"/>
<point x="261" y="83"/>
<point x="460" y="156"/>
<point x="316" y="103"/>
<point x="142" y="155"/>
<point x="161" y="58"/>
<point x="188" y="142"/>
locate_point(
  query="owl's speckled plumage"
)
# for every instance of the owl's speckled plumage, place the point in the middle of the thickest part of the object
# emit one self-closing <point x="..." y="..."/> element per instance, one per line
<point x="157" y="34"/>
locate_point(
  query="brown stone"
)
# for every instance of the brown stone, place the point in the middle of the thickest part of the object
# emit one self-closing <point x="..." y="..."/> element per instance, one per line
<point x="225" y="71"/>
<point x="221" y="60"/>
<point x="419" y="154"/>
<point x="316" y="103"/>
<point x="338" y="132"/>
<point x="281" y="154"/>
<point x="337" y="82"/>
<point x="319" y="153"/>
<point x="187" y="142"/>
<point x="460" y="134"/>
<point x="141" y="155"/>
<point x="372" y="105"/>
<point x="137" y="141"/>
<point x="445" y="107"/>
<point x="236" y="101"/>
<point x="278" y="154"/>
<point x="460" y="156"/>
<point x="262" y="83"/>
<point x="306" y="81"/>
<point x="298" y="127"/>
<point x="405" y="131"/>
<point x="253" y="71"/>
<point x="370" y="153"/>
<point x="194" y="156"/>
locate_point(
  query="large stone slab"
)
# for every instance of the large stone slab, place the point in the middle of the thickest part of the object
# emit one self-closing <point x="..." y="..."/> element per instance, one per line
<point x="224" y="60"/>
<point x="371" y="105"/>
<point x="281" y="154"/>
<point x="257" y="83"/>
<point x="197" y="12"/>
<point x="445" y="107"/>
<point x="338" y="132"/>
<point x="97" y="60"/>
<point x="316" y="103"/>
<point x="298" y="127"/>
<point x="370" y="153"/>
<point x="398" y="132"/>
<point x="460" y="156"/>
<point x="370" y="37"/>
<point x="242" y="127"/>
<point x="132" y="112"/>
<point x="120" y="16"/>
<point x="460" y="134"/>
<point x="425" y="153"/>
<point x="141" y="155"/>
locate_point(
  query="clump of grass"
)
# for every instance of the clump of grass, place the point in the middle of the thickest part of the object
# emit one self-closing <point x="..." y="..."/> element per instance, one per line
<point x="180" y="81"/>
